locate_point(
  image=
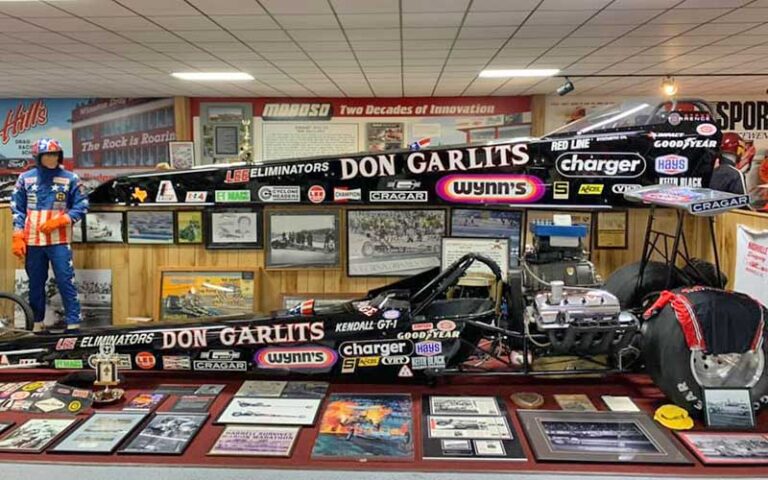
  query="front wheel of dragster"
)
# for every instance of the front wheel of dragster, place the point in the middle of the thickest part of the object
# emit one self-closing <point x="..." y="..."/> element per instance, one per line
<point x="682" y="373"/>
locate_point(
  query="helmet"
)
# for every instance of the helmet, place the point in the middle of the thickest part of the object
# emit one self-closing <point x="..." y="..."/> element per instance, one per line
<point x="47" y="145"/>
<point x="732" y="143"/>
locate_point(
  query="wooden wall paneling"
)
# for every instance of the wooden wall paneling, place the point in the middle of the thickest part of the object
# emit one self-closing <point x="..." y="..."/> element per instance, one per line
<point x="538" y="115"/>
<point x="182" y="119"/>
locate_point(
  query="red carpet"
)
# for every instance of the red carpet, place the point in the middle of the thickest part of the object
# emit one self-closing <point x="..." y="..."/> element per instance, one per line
<point x="639" y="387"/>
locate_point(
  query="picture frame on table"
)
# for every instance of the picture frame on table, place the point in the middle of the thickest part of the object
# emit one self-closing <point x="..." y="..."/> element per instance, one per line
<point x="36" y="434"/>
<point x="234" y="228"/>
<point x="189" y="227"/>
<point x="166" y="433"/>
<point x="104" y="227"/>
<point x="181" y="155"/>
<point x="255" y="440"/>
<point x="201" y="292"/>
<point x="302" y="238"/>
<point x="611" y="230"/>
<point x="728" y="408"/>
<point x="394" y="242"/>
<point x="102" y="432"/>
<point x="625" y="437"/>
<point x="150" y="227"/>
<point x="270" y="411"/>
<point x="727" y="448"/>
<point x="491" y="223"/>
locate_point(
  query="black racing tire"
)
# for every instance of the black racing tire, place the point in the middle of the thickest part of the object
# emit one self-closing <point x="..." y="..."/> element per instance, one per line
<point x="702" y="272"/>
<point x="668" y="362"/>
<point x="623" y="282"/>
<point x="23" y="305"/>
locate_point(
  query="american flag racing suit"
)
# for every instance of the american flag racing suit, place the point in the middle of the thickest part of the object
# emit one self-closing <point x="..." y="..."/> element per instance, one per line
<point x="39" y="195"/>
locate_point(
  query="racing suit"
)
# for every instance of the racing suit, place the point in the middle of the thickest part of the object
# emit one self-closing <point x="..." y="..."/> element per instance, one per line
<point x="42" y="194"/>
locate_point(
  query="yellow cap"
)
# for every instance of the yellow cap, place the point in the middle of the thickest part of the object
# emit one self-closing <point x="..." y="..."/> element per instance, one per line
<point x="673" y="417"/>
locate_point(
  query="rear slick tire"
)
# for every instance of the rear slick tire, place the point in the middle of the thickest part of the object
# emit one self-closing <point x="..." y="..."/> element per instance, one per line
<point x="623" y="282"/>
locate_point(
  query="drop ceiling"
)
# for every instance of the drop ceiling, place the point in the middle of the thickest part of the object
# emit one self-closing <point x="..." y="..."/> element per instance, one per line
<point x="377" y="47"/>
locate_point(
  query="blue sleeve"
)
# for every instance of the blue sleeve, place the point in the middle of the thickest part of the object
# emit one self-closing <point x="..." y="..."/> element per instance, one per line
<point x="19" y="204"/>
<point x="79" y="200"/>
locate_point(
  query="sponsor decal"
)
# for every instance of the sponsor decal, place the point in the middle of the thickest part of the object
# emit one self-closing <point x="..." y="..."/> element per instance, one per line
<point x="241" y="175"/>
<point x="344" y="194"/>
<point x="383" y="348"/>
<point x="117" y="340"/>
<point x="67" y="363"/>
<point x="124" y="361"/>
<point x="348" y="365"/>
<point x="405" y="372"/>
<point x="403" y="184"/>
<point x="297" y="111"/>
<point x="367" y="310"/>
<point x="31" y="387"/>
<point x="280" y="194"/>
<point x="19" y="395"/>
<point x="381" y="196"/>
<point x="290" y="170"/>
<point x="674" y="119"/>
<point x="429" y="348"/>
<point x="368" y="361"/>
<point x="220" y="355"/>
<point x="666" y="134"/>
<point x="391" y="314"/>
<point x="395" y="360"/>
<point x="196" y="197"/>
<point x="145" y="360"/>
<point x="176" y="362"/>
<point x="305" y="357"/>
<point x="622" y="188"/>
<point x="498" y="188"/>
<point x="220" y="366"/>
<point x="61" y="180"/>
<point x="560" y="190"/>
<point x="422" y="363"/>
<point x="245" y="335"/>
<point x="420" y="327"/>
<point x="574" y="144"/>
<point x="139" y="194"/>
<point x="68" y="343"/>
<point x="427" y="335"/>
<point x="75" y="406"/>
<point x="686" y="143"/>
<point x="671" y="164"/>
<point x="591" y="189"/>
<point x="365" y="325"/>
<point x="446" y="325"/>
<point x="694" y="182"/>
<point x="166" y="193"/>
<point x="600" y="165"/>
<point x="316" y="194"/>
<point x="706" y="129"/>
<point x="725" y="204"/>
<point x="232" y="196"/>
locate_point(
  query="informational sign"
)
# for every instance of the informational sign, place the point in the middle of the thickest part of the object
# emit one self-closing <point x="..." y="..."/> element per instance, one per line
<point x="752" y="263"/>
<point x="287" y="140"/>
<point x="497" y="249"/>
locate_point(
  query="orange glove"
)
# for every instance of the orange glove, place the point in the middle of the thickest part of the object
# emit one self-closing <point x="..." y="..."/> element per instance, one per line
<point x="19" y="244"/>
<point x="54" y="223"/>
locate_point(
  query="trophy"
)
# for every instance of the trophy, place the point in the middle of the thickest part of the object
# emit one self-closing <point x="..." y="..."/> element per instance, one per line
<point x="105" y="364"/>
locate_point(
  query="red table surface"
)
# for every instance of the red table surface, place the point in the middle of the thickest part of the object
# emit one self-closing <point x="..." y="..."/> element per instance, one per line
<point x="638" y="387"/>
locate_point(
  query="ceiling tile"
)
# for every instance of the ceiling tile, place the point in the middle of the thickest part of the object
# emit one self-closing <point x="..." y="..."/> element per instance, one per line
<point x="433" y="19"/>
<point x="543" y="31"/>
<point x="165" y="7"/>
<point x="365" y="34"/>
<point x="306" y="21"/>
<point x="747" y="15"/>
<point x="602" y="31"/>
<point x="56" y="24"/>
<point x="10" y="25"/>
<point x="686" y="15"/>
<point x="160" y="36"/>
<point x="319" y="35"/>
<point x="31" y="10"/>
<point x="429" y="33"/>
<point x="559" y="17"/>
<point x="261" y="35"/>
<point x="361" y="20"/>
<point x="190" y="22"/>
<point x="368" y="6"/>
<point x="245" y="22"/>
<point x="573" y="4"/>
<point x="490" y="19"/>
<point x="486" y="32"/>
<point x="229" y="7"/>
<point x="411" y="6"/>
<point x="126" y="24"/>
<point x="624" y="17"/>
<point x="713" y="3"/>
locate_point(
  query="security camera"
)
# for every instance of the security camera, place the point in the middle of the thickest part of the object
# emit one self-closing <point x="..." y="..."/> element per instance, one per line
<point x="566" y="88"/>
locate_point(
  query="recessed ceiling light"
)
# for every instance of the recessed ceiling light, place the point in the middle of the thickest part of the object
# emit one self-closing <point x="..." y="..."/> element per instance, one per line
<point x="213" y="76"/>
<point x="522" y="72"/>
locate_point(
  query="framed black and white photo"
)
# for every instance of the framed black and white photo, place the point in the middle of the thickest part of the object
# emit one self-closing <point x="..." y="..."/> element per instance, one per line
<point x="301" y="239"/>
<point x="716" y="448"/>
<point x="728" y="408"/>
<point x="166" y="434"/>
<point x="34" y="435"/>
<point x="496" y="249"/>
<point x="607" y="437"/>
<point x="148" y="226"/>
<point x="270" y="411"/>
<point x="393" y="242"/>
<point x="101" y="433"/>
<point x="234" y="228"/>
<point x="441" y="405"/>
<point x="104" y="227"/>
<point x="193" y="403"/>
<point x="77" y="232"/>
<point x="490" y="223"/>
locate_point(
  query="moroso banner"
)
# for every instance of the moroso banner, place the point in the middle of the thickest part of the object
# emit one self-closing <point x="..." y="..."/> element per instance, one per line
<point x="591" y="166"/>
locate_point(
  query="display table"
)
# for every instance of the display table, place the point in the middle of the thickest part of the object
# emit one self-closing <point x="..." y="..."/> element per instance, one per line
<point x="638" y="387"/>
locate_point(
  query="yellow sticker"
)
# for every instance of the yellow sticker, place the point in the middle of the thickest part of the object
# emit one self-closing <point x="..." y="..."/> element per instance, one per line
<point x="74" y="406"/>
<point x="31" y="387"/>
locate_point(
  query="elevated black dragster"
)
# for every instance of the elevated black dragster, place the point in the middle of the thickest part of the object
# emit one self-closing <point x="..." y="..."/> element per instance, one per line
<point x="450" y="322"/>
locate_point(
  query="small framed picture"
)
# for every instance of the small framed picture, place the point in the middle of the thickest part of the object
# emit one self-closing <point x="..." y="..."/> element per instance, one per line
<point x="186" y="294"/>
<point x="234" y="228"/>
<point x="477" y="222"/>
<point x="101" y="433"/>
<point x="181" y="154"/>
<point x="728" y="408"/>
<point x="104" y="227"/>
<point x="300" y="239"/>
<point x="611" y="230"/>
<point x="36" y="434"/>
<point x="189" y="226"/>
<point x="723" y="448"/>
<point x="106" y="374"/>
<point x="166" y="434"/>
<point x="147" y="227"/>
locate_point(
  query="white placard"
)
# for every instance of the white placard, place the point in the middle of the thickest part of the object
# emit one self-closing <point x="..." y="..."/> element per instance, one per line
<point x="291" y="140"/>
<point x="497" y="249"/>
<point x="752" y="263"/>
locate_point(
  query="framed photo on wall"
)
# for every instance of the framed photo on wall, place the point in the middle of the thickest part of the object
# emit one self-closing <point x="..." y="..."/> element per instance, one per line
<point x="189" y="226"/>
<point x="394" y="242"/>
<point x="186" y="293"/>
<point x="104" y="227"/>
<point x="226" y="139"/>
<point x="298" y="239"/>
<point x="611" y="229"/>
<point x="146" y="226"/>
<point x="181" y="154"/>
<point x="234" y="228"/>
<point x="477" y="222"/>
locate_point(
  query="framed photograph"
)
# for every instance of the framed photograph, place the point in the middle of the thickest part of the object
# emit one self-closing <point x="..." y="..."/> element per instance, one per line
<point x="204" y="292"/>
<point x="5" y="426"/>
<point x="497" y="249"/>
<point x="270" y="411"/>
<point x="145" y="226"/>
<point x="77" y="232"/>
<point x="611" y="229"/>
<point x="390" y="437"/>
<point x="607" y="437"/>
<point x="305" y="389"/>
<point x="714" y="448"/>
<point x="166" y="434"/>
<point x="34" y="435"/>
<point x="468" y="427"/>
<point x="192" y="404"/>
<point x="104" y="227"/>
<point x="145" y="402"/>
<point x="181" y="154"/>
<point x="226" y="139"/>
<point x="321" y="299"/>
<point x="176" y="389"/>
<point x="189" y="227"/>
<point x="234" y="228"/>
<point x="256" y="441"/>
<point x="439" y="405"/>
<point x="728" y="408"/>
<point x="576" y="403"/>
<point x="393" y="242"/>
<point x="302" y="239"/>
<point x="226" y="113"/>
<point x="261" y="388"/>
<point x="210" y="389"/>
<point x="475" y="222"/>
<point x="101" y="433"/>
